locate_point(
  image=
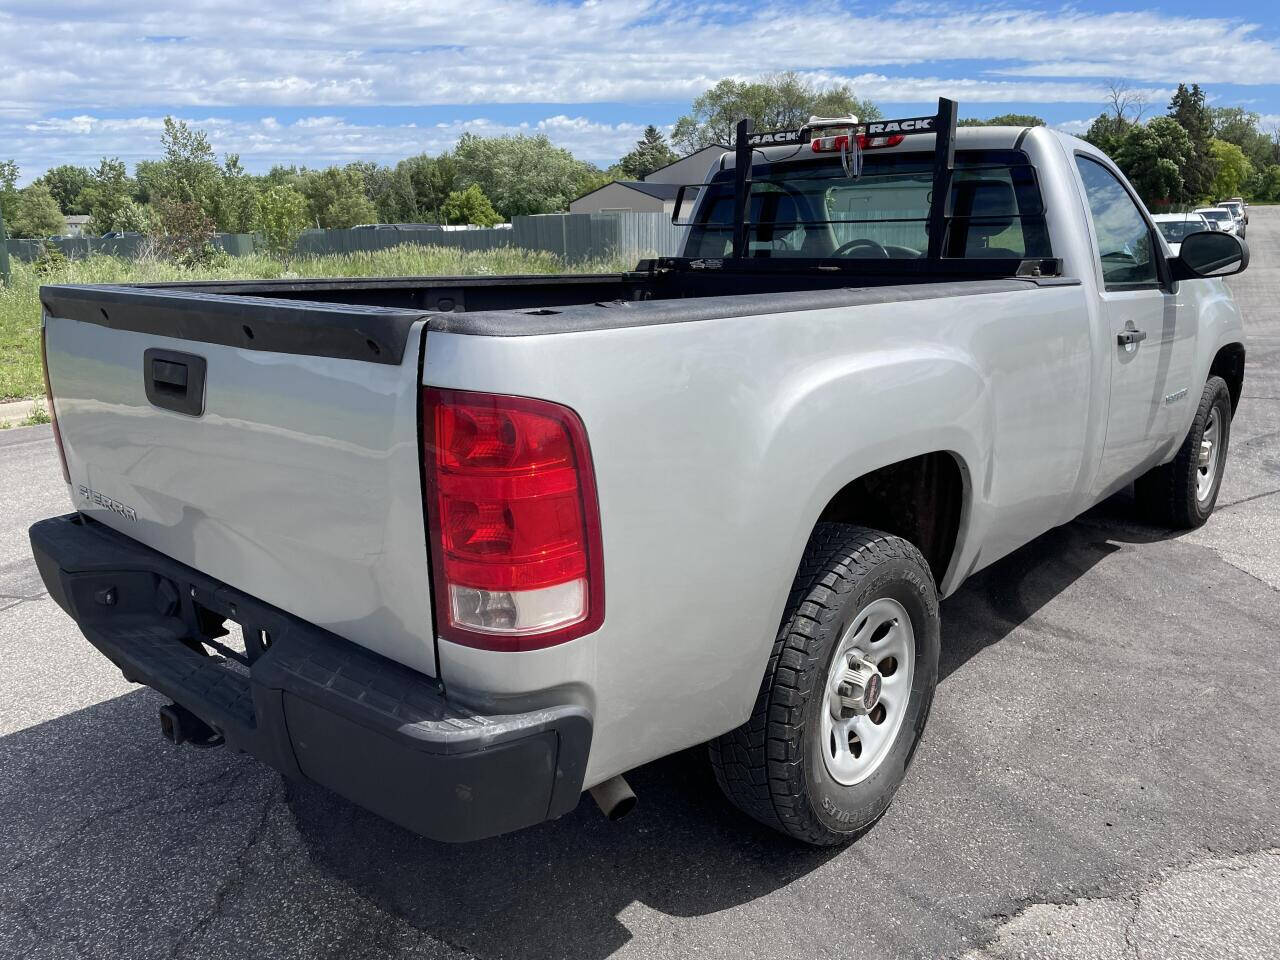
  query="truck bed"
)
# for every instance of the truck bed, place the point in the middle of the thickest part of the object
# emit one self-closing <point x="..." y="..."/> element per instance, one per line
<point x="369" y="319"/>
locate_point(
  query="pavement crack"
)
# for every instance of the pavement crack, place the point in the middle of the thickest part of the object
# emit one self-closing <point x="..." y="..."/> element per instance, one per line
<point x="236" y="877"/>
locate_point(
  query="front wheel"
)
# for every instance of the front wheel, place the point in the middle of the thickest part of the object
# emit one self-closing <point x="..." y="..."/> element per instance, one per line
<point x="1183" y="492"/>
<point x="846" y="693"/>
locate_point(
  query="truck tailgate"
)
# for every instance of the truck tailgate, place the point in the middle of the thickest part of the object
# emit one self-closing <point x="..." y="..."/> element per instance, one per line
<point x="291" y="472"/>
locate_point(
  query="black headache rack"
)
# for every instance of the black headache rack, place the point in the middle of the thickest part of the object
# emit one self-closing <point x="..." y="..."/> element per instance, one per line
<point x="942" y="125"/>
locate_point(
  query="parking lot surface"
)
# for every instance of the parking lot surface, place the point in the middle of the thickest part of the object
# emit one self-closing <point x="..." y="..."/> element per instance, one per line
<point x="1100" y="778"/>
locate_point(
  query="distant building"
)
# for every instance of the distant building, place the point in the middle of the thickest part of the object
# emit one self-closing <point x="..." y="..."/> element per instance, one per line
<point x="76" y="224"/>
<point x="690" y="169"/>
<point x="656" y="193"/>
<point x="628" y="196"/>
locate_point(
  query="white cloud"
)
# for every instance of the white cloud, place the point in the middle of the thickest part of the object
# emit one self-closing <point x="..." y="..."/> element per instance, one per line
<point x="310" y="141"/>
<point x="68" y="62"/>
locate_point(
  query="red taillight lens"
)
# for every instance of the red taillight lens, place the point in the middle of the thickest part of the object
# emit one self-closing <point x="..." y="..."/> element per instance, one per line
<point x="513" y="518"/>
<point x="876" y="143"/>
<point x="53" y="414"/>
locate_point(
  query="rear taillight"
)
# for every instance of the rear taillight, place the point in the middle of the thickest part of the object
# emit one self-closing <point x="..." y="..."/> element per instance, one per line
<point x="53" y="414"/>
<point x="513" y="518"/>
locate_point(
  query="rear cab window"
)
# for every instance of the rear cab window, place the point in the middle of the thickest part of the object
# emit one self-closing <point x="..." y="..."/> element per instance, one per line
<point x="807" y="208"/>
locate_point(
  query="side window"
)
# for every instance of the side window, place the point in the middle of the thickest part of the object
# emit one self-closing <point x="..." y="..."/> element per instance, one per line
<point x="1124" y="239"/>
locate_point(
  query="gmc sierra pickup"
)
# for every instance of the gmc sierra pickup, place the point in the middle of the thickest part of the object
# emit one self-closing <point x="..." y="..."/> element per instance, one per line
<point x="487" y="543"/>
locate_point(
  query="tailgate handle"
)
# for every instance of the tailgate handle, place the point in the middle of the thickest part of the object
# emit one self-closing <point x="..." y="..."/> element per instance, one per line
<point x="174" y="381"/>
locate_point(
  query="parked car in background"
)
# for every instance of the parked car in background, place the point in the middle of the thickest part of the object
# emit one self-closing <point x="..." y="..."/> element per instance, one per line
<point x="1244" y="207"/>
<point x="1221" y="218"/>
<point x="119" y="234"/>
<point x="1237" y="210"/>
<point x="397" y="226"/>
<point x="1175" y="226"/>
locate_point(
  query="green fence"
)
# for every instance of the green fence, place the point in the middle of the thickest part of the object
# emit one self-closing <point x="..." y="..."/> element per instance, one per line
<point x="571" y="236"/>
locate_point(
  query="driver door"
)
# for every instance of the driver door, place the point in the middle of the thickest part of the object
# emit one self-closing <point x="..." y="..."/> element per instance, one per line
<point x="1142" y="319"/>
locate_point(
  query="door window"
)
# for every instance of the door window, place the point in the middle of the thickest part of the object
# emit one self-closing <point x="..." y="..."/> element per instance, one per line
<point x="1124" y="239"/>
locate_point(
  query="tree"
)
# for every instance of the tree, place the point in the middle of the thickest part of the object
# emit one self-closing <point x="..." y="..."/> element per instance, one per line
<point x="1153" y="156"/>
<point x="1239" y="126"/>
<point x="66" y="183"/>
<point x="189" y="173"/>
<point x="777" y="102"/>
<point x="1233" y="169"/>
<point x="1267" y="185"/>
<point x="1107" y="133"/>
<point x="651" y="152"/>
<point x="35" y="213"/>
<point x="520" y="174"/>
<point x="1188" y="108"/>
<point x="469" y="206"/>
<point x="1127" y="105"/>
<point x="281" y="217"/>
<point x="336" y="197"/>
<point x="8" y="187"/>
<point x="108" y="196"/>
<point x="235" y="203"/>
<point x="1004" y="120"/>
<point x="432" y="179"/>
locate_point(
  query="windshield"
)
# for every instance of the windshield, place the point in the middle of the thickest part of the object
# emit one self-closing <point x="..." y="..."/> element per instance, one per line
<point x="808" y="208"/>
<point x="1215" y="214"/>
<point x="1175" y="231"/>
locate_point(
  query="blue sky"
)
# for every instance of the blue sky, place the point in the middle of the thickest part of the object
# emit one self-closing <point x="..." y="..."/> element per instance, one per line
<point x="314" y="83"/>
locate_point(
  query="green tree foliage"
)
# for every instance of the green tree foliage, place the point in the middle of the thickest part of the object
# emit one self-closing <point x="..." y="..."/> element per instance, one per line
<point x="469" y="206"/>
<point x="108" y="197"/>
<point x="650" y="153"/>
<point x="145" y="175"/>
<point x="1188" y="108"/>
<point x="1004" y="120"/>
<point x="281" y="217"/>
<point x="336" y="197"/>
<point x="777" y="102"/>
<point x="35" y="213"/>
<point x="235" y="204"/>
<point x="1233" y="169"/>
<point x="189" y="173"/>
<point x="431" y="179"/>
<point x="1267" y="184"/>
<point x="1107" y="132"/>
<point x="1153" y="156"/>
<point x="67" y="182"/>
<point x="1241" y="127"/>
<point x="520" y="174"/>
<point x="8" y="188"/>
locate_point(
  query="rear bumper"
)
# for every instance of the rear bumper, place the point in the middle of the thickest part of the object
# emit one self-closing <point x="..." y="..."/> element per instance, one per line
<point x="311" y="704"/>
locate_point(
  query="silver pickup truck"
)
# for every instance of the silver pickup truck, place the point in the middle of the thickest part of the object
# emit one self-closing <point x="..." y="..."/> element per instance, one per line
<point x="486" y="543"/>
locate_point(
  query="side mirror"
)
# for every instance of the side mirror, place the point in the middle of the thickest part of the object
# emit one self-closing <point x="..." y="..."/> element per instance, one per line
<point x="1210" y="254"/>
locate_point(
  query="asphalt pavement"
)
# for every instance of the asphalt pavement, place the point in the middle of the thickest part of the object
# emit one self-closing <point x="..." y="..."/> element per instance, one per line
<point x="1100" y="778"/>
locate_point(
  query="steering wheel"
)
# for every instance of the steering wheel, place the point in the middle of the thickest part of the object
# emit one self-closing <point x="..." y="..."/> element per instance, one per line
<point x="877" y="250"/>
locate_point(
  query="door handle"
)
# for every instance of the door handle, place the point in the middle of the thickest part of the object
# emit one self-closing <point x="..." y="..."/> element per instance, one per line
<point x="1130" y="337"/>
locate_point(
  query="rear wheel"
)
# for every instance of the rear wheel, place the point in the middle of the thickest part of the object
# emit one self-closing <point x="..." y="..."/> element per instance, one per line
<point x="846" y="694"/>
<point x="1182" y="493"/>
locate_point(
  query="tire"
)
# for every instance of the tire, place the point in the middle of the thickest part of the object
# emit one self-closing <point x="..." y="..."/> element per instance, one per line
<point x="781" y="766"/>
<point x="1176" y="494"/>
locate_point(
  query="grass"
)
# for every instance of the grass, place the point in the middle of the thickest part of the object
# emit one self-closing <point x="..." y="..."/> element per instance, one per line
<point x="20" y="374"/>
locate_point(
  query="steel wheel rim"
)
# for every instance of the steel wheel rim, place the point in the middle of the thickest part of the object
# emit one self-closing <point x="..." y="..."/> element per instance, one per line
<point x="1210" y="448"/>
<point x="853" y="748"/>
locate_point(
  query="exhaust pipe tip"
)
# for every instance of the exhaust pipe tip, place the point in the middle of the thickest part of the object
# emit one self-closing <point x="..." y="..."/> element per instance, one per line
<point x="614" y="797"/>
